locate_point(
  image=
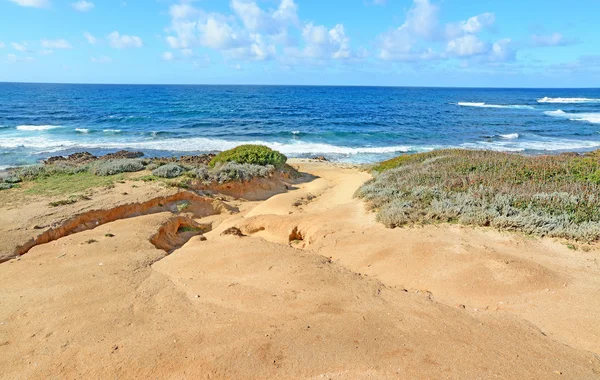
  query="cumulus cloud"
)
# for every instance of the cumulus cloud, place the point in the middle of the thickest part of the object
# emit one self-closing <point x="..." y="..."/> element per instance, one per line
<point x="119" y="41"/>
<point x="416" y="39"/>
<point x="83" y="6"/>
<point x="322" y="43"/>
<point x="466" y="46"/>
<point x="46" y="52"/>
<point x="167" y="56"/>
<point x="1" y="45"/>
<point x="90" y="38"/>
<point x="13" y="58"/>
<point x="554" y="39"/>
<point x="32" y="3"/>
<point x="503" y="51"/>
<point x="249" y="33"/>
<point x="55" y="44"/>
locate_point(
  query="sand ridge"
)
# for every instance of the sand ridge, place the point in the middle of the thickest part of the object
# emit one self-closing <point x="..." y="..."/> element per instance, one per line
<point x="342" y="297"/>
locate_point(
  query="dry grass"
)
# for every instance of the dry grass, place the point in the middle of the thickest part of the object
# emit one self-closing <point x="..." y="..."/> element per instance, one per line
<point x="546" y="195"/>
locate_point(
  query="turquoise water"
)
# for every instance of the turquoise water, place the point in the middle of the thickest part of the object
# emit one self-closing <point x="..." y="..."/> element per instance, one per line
<point x="350" y="124"/>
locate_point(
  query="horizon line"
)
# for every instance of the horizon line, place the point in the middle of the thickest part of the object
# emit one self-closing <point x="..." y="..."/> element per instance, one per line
<point x="297" y="85"/>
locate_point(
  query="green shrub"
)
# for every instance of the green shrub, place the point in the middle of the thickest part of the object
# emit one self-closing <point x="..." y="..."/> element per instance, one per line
<point x="232" y="171"/>
<point x="168" y="171"/>
<point x="112" y="167"/>
<point x="6" y="186"/>
<point x="250" y="154"/>
<point x="556" y="196"/>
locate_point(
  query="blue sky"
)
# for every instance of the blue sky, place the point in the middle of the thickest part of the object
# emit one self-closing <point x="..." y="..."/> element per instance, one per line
<point x="508" y="43"/>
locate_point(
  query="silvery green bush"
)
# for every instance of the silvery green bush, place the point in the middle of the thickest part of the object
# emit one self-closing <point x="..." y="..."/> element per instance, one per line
<point x="112" y="167"/>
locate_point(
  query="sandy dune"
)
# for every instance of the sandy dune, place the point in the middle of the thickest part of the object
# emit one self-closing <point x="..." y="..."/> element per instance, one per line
<point x="316" y="290"/>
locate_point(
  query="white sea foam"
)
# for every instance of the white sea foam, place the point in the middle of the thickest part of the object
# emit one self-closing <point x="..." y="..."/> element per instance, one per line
<point x="510" y="136"/>
<point x="485" y="105"/>
<point x="47" y="145"/>
<point x="295" y="132"/>
<point x="82" y="130"/>
<point x="544" y="144"/>
<point x="31" y="128"/>
<point x="590" y="117"/>
<point x="112" y="131"/>
<point x="568" y="100"/>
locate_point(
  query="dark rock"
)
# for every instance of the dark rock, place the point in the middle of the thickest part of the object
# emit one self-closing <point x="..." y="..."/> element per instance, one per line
<point x="75" y="158"/>
<point x="233" y="231"/>
<point x="122" y="154"/>
<point x="320" y="158"/>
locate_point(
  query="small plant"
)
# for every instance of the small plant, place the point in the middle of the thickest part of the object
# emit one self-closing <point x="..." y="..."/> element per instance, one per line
<point x="109" y="235"/>
<point x="184" y="229"/>
<point x="91" y="241"/>
<point x="169" y="171"/>
<point x="112" y="167"/>
<point x="250" y="154"/>
<point x="183" y="206"/>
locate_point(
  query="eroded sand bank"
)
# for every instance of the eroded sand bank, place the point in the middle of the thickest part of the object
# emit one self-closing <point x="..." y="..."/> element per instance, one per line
<point x="317" y="289"/>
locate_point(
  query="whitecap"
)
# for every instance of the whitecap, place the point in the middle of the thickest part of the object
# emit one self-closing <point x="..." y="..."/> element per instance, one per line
<point x="31" y="128"/>
<point x="82" y="130"/>
<point x="567" y="100"/>
<point x="112" y="131"/>
<point x="510" y="136"/>
<point x="589" y="117"/>
<point x="295" y="132"/>
<point x="485" y="105"/>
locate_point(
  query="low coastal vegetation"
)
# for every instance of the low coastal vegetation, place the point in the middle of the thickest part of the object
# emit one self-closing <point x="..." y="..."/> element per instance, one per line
<point x="82" y="171"/>
<point x="250" y="154"/>
<point x="556" y="196"/>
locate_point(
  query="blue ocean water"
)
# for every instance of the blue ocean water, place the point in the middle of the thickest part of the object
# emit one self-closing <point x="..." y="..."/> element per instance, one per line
<point x="350" y="124"/>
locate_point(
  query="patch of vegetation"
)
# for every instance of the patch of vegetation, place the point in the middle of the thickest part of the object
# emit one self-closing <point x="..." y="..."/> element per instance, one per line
<point x="68" y="183"/>
<point x="6" y="186"/>
<point x="109" y="235"/>
<point x="183" y="206"/>
<point x="169" y="171"/>
<point x="183" y="229"/>
<point x="557" y="196"/>
<point x="112" y="167"/>
<point x="91" y="241"/>
<point x="250" y="154"/>
<point x="64" y="202"/>
<point x="232" y="171"/>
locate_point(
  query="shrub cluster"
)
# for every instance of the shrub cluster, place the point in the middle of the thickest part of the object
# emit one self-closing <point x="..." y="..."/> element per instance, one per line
<point x="250" y="154"/>
<point x="169" y="171"/>
<point x="232" y="171"/>
<point x="112" y="167"/>
<point x="556" y="196"/>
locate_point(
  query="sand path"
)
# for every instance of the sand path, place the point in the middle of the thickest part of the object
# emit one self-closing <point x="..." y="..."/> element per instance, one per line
<point x="317" y="290"/>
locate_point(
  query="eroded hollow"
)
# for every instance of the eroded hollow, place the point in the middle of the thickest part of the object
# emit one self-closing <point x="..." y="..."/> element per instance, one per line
<point x="182" y="202"/>
<point x="176" y="232"/>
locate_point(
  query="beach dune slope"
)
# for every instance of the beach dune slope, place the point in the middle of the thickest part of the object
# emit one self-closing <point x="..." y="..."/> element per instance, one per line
<point x="315" y="289"/>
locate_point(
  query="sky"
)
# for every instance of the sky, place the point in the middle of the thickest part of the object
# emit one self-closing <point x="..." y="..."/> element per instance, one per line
<point x="456" y="43"/>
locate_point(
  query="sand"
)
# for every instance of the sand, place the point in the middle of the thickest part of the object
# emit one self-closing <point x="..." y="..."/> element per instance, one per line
<point x="316" y="289"/>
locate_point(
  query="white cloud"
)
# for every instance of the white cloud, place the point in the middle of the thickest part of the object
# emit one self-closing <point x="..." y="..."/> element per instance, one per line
<point x="90" y="38"/>
<point x="83" y="6"/>
<point x="55" y="44"/>
<point x="167" y="56"/>
<point x="187" y="52"/>
<point x="410" y="41"/>
<point x="503" y="51"/>
<point x="466" y="46"/>
<point x="322" y="43"/>
<point x="102" y="59"/>
<point x="19" y="47"/>
<point x="31" y="3"/>
<point x="118" y="41"/>
<point x="46" y="52"/>
<point x="249" y="33"/>
<point x="477" y="23"/>
<point x="1" y="45"/>
<point x="554" y="39"/>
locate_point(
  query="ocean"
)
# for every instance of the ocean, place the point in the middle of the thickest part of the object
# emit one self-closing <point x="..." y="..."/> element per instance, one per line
<point x="347" y="124"/>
